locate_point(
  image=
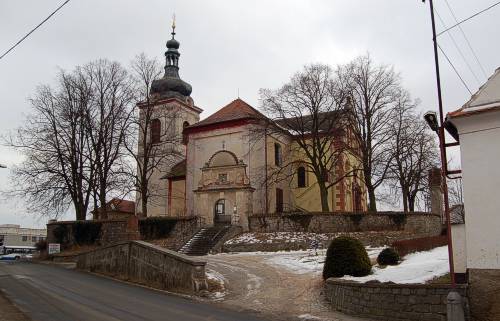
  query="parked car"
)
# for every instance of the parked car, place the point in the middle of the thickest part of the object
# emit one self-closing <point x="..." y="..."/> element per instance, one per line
<point x="15" y="256"/>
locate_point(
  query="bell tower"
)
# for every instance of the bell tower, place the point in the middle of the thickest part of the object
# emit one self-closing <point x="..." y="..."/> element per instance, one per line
<point x="169" y="110"/>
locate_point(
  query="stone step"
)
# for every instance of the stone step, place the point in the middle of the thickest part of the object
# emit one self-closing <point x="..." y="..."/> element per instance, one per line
<point x="203" y="241"/>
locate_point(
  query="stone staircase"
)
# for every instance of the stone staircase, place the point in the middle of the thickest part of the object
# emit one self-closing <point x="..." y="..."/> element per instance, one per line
<point x="204" y="240"/>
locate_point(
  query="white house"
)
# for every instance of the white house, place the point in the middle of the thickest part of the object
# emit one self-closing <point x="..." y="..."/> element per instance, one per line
<point x="477" y="127"/>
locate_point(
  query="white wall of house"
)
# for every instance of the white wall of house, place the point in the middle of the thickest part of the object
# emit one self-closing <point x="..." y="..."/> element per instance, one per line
<point x="459" y="248"/>
<point x="480" y="156"/>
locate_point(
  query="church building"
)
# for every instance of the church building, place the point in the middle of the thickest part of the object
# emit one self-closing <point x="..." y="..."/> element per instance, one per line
<point x="218" y="168"/>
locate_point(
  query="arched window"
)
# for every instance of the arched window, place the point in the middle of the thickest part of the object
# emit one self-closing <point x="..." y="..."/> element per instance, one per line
<point x="184" y="135"/>
<point x="220" y="207"/>
<point x="155" y="131"/>
<point x="301" y="177"/>
<point x="277" y="154"/>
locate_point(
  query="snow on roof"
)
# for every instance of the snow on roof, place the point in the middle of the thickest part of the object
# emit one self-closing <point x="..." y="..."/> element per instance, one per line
<point x="485" y="99"/>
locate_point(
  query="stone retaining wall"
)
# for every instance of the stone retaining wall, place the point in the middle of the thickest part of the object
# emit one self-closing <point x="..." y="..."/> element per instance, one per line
<point x="147" y="264"/>
<point x="391" y="302"/>
<point x="419" y="224"/>
<point x="376" y="239"/>
<point x="119" y="230"/>
<point x="183" y="231"/>
<point x="484" y="294"/>
<point x="113" y="230"/>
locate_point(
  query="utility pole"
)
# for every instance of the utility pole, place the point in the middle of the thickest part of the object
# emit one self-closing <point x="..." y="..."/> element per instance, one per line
<point x="442" y="147"/>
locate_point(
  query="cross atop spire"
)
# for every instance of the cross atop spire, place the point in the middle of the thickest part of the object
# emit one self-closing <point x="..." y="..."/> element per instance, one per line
<point x="173" y="26"/>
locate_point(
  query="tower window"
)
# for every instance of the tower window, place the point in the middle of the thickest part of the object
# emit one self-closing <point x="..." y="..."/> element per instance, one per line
<point x="301" y="177"/>
<point x="277" y="155"/>
<point x="155" y="131"/>
<point x="184" y="135"/>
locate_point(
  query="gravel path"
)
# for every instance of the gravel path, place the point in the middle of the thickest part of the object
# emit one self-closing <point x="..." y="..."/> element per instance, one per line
<point x="253" y="282"/>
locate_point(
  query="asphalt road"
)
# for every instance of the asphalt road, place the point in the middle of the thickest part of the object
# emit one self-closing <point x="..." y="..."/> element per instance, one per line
<point x="54" y="293"/>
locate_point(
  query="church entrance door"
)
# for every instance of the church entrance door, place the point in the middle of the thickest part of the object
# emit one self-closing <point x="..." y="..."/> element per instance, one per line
<point x="220" y="212"/>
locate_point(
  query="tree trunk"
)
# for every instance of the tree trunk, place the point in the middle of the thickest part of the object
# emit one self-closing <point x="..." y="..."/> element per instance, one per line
<point x="144" y="202"/>
<point x="324" y="197"/>
<point x="405" y="199"/>
<point x="411" y="203"/>
<point x="80" y="212"/>
<point x="370" y="189"/>
<point x="372" y="201"/>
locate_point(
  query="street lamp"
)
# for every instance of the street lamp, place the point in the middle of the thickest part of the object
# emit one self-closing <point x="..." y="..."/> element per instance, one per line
<point x="431" y="119"/>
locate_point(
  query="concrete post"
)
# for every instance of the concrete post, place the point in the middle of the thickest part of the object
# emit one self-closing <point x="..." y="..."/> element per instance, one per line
<point x="454" y="307"/>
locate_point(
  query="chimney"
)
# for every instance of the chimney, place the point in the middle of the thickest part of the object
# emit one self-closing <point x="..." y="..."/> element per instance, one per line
<point x="436" y="192"/>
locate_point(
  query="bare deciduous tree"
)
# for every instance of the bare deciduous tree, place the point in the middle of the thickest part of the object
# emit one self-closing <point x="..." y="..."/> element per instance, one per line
<point x="108" y="118"/>
<point x="72" y="142"/>
<point x="413" y="150"/>
<point x="56" y="170"/>
<point x="311" y="108"/>
<point x="375" y="91"/>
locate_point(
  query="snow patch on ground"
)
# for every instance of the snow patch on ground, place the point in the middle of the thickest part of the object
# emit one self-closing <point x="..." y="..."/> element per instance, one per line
<point x="418" y="267"/>
<point x="309" y="317"/>
<point x="301" y="262"/>
<point x="280" y="237"/>
<point x="219" y="280"/>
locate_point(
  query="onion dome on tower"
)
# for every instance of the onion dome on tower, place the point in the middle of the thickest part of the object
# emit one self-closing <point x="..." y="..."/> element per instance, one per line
<point x="171" y="85"/>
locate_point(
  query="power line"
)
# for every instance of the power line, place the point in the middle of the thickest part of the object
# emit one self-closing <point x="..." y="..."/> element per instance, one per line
<point x="466" y="19"/>
<point x="466" y="39"/>
<point x="32" y="30"/>
<point x="458" y="49"/>
<point x="455" y="69"/>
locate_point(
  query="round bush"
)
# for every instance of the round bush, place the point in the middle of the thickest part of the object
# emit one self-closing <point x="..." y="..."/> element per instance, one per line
<point x="346" y="256"/>
<point x="388" y="256"/>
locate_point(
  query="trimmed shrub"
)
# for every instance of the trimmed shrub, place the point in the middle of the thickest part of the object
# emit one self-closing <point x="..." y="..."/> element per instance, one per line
<point x="346" y="256"/>
<point x="388" y="256"/>
<point x="86" y="232"/>
<point x="152" y="228"/>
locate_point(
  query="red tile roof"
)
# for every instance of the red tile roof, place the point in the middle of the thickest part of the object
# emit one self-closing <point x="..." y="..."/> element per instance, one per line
<point x="236" y="110"/>
<point x="178" y="170"/>
<point x="119" y="205"/>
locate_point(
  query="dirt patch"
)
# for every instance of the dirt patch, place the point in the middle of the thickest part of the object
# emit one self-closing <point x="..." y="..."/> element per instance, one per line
<point x="254" y="281"/>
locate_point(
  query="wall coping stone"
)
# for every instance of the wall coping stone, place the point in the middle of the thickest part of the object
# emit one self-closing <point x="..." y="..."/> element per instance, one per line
<point x="176" y="255"/>
<point x="385" y="213"/>
<point x="181" y="218"/>
<point x="156" y="248"/>
<point x="377" y="284"/>
<point x="84" y="221"/>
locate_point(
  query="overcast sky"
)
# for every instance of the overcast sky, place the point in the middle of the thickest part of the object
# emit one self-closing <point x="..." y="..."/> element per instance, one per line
<point x="231" y="45"/>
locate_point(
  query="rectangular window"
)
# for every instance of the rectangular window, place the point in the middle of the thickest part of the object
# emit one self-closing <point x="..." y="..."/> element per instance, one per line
<point x="33" y="239"/>
<point x="25" y="238"/>
<point x="301" y="177"/>
<point x="155" y="131"/>
<point x="277" y="154"/>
